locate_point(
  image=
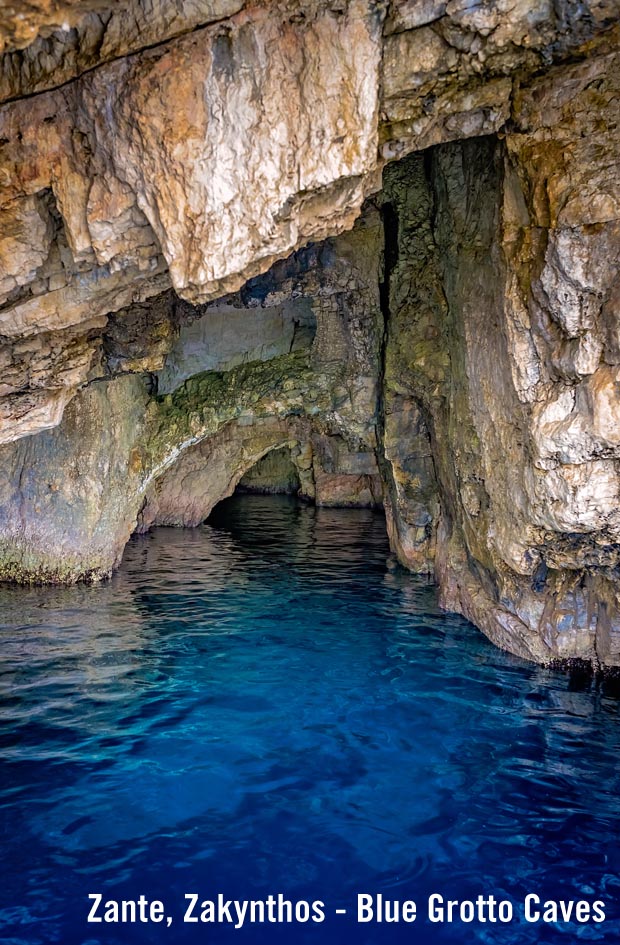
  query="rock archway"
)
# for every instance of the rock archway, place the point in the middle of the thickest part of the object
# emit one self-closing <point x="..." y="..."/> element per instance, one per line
<point x="276" y="473"/>
<point x="328" y="472"/>
<point x="70" y="498"/>
<point x="211" y="470"/>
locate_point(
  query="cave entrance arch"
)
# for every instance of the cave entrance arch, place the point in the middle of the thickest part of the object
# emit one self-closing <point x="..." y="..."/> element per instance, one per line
<point x="266" y="454"/>
<point x="210" y="471"/>
<point x="275" y="474"/>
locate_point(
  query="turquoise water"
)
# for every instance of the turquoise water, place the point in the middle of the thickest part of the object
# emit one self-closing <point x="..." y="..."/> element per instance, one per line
<point x="266" y="706"/>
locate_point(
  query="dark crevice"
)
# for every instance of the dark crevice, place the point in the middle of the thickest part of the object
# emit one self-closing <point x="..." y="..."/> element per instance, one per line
<point x="389" y="219"/>
<point x="273" y="474"/>
<point x="390" y="256"/>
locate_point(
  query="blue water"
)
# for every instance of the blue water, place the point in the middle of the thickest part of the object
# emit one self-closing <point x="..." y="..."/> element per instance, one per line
<point x="267" y="705"/>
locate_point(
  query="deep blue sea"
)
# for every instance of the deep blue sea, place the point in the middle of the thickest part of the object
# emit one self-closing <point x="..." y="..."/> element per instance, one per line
<point x="268" y="705"/>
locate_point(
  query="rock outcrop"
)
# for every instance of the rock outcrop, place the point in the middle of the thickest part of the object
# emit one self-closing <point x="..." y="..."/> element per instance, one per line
<point x="183" y="291"/>
<point x="501" y="365"/>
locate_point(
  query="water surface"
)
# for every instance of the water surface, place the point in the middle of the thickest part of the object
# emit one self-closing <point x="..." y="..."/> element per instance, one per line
<point x="267" y="705"/>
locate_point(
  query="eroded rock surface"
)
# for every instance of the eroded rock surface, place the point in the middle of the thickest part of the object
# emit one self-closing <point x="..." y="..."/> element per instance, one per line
<point x="274" y="474"/>
<point x="183" y="291"/>
<point x="125" y="455"/>
<point x="503" y="303"/>
<point x="193" y="147"/>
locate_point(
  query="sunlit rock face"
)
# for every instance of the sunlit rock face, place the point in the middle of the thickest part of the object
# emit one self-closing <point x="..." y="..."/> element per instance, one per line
<point x="196" y="163"/>
<point x="50" y="42"/>
<point x="378" y="238"/>
<point x="149" y="145"/>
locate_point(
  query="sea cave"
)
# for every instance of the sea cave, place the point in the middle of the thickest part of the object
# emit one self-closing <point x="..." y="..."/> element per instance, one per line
<point x="310" y="468"/>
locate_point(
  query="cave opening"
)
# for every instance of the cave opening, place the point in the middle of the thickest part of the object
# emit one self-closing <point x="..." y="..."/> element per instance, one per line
<point x="274" y="474"/>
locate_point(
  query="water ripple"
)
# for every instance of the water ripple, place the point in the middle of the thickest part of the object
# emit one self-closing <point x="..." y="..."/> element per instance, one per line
<point x="263" y="705"/>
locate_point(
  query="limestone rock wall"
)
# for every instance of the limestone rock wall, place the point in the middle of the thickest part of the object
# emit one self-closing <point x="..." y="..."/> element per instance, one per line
<point x="54" y="41"/>
<point x="152" y="144"/>
<point x="503" y="308"/>
<point x="195" y="163"/>
<point x="381" y="235"/>
<point x="67" y="496"/>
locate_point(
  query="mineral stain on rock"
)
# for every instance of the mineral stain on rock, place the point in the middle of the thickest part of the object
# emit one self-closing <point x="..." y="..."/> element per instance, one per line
<point x="366" y="252"/>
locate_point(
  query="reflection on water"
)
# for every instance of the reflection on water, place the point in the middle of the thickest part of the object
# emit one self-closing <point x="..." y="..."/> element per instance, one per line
<point x="262" y="705"/>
